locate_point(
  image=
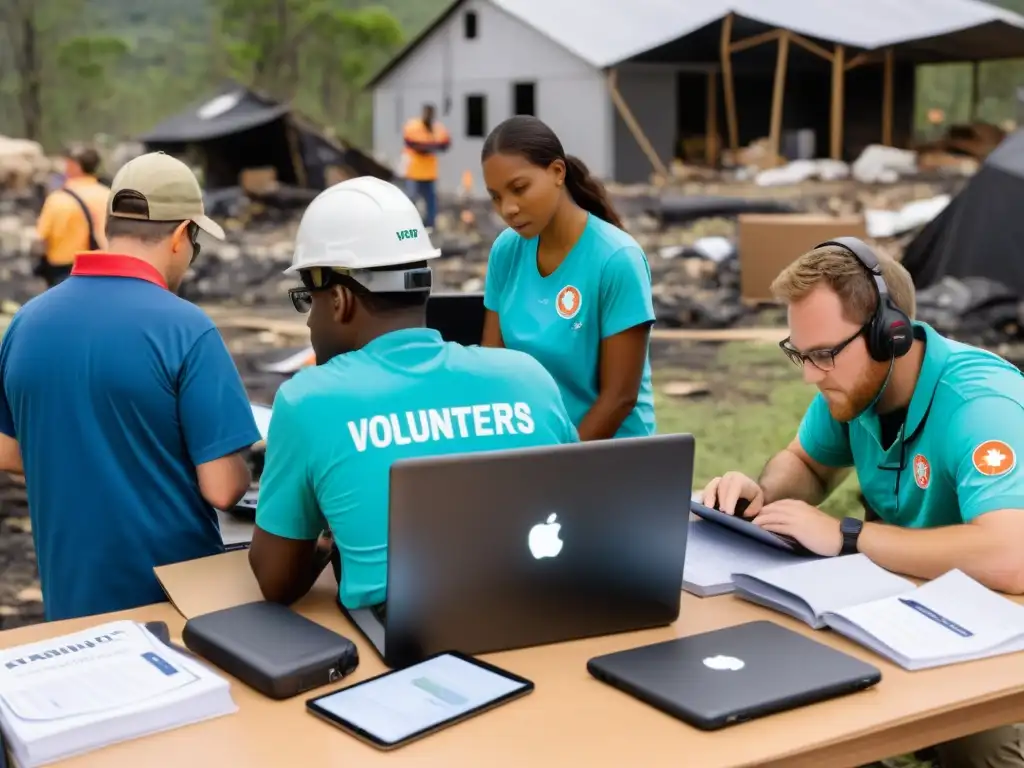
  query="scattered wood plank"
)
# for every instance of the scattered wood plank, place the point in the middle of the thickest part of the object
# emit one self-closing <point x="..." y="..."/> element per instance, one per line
<point x="685" y="388"/>
<point x="763" y="335"/>
<point x="254" y="323"/>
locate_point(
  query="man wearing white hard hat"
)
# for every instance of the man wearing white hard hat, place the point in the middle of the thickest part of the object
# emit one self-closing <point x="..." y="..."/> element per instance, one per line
<point x="385" y="388"/>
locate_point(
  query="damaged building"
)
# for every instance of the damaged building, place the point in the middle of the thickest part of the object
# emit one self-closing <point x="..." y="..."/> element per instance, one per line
<point x="641" y="84"/>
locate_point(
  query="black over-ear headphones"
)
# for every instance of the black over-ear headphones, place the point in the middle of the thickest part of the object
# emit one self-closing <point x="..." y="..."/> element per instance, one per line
<point x="889" y="331"/>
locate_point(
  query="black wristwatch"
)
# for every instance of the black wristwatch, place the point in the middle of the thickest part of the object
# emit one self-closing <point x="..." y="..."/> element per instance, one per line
<point x="850" y="527"/>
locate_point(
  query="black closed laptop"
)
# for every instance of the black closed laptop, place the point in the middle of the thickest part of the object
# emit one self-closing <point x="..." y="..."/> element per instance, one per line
<point x="732" y="675"/>
<point x="271" y="648"/>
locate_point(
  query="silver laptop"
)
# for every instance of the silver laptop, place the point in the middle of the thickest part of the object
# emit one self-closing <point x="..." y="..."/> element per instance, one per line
<point x="506" y="549"/>
<point x="719" y="678"/>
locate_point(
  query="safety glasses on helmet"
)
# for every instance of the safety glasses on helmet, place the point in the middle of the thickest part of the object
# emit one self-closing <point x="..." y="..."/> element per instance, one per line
<point x="369" y="281"/>
<point x="313" y="279"/>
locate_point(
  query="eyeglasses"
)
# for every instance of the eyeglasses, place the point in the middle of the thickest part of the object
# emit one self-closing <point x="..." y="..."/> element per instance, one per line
<point x="302" y="299"/>
<point x="193" y="236"/>
<point x="313" y="279"/>
<point x="822" y="359"/>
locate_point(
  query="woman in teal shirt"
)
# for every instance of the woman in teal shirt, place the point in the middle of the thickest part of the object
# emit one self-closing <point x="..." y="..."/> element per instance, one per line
<point x="566" y="284"/>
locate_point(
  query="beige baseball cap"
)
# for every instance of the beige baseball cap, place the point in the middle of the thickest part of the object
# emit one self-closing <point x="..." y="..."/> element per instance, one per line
<point x="171" y="190"/>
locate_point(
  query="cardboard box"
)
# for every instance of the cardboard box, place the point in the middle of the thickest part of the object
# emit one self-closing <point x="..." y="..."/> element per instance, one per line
<point x="769" y="242"/>
<point x="258" y="181"/>
<point x="335" y="174"/>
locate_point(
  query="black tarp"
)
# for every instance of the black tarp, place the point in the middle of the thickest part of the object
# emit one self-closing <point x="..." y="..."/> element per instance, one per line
<point x="239" y="129"/>
<point x="981" y="232"/>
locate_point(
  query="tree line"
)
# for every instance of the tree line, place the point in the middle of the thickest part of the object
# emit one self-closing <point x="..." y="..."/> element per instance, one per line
<point x="125" y="70"/>
<point x="71" y="69"/>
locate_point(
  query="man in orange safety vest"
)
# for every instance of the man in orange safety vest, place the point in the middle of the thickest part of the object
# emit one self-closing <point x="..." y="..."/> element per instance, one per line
<point x="424" y="137"/>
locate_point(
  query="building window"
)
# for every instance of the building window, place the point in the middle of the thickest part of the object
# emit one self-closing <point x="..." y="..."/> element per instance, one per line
<point x="523" y="99"/>
<point x="469" y="25"/>
<point x="476" y="117"/>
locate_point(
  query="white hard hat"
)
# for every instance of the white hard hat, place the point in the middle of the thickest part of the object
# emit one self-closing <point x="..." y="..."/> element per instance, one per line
<point x="361" y="224"/>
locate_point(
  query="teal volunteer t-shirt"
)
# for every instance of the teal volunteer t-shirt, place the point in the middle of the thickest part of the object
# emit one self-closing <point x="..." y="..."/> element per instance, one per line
<point x="963" y="435"/>
<point x="603" y="287"/>
<point x="336" y="428"/>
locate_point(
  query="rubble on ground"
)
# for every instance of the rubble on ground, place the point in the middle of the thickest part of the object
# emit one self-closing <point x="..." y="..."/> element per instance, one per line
<point x="688" y="232"/>
<point x="23" y="164"/>
<point x="959" y="152"/>
<point x="20" y="598"/>
<point x="972" y="307"/>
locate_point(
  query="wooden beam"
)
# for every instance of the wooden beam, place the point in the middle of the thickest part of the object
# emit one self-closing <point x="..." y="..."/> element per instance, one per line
<point x="887" y="97"/>
<point x="727" y="84"/>
<point x="975" y="89"/>
<point x="634" y="126"/>
<point x="807" y="45"/>
<point x="779" y="93"/>
<point x="756" y="40"/>
<point x="711" y="121"/>
<point x="861" y="59"/>
<point x="838" y="81"/>
<point x="296" y="154"/>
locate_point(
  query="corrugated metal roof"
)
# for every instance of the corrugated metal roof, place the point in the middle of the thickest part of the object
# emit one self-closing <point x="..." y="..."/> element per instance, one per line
<point x="606" y="32"/>
<point x="610" y="31"/>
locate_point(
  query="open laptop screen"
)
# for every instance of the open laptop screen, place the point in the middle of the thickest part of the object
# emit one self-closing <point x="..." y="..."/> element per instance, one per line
<point x="459" y="317"/>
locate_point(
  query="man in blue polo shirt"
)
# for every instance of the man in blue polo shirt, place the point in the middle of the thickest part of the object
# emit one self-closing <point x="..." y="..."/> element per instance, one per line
<point x="933" y="428"/>
<point x="122" y="407"/>
<point x="384" y="388"/>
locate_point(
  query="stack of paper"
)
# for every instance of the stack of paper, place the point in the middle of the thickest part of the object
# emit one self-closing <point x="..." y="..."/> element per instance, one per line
<point x="713" y="553"/>
<point x="114" y="682"/>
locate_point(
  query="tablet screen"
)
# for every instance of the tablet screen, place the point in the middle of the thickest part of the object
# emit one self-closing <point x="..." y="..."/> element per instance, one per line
<point x="398" y="705"/>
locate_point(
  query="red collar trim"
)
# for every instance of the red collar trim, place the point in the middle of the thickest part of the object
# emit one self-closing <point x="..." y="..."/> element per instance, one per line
<point x="95" y="264"/>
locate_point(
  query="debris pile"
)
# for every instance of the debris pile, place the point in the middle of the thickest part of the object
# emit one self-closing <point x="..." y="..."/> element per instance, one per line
<point x="974" y="308"/>
<point x="689" y="233"/>
<point x="23" y="165"/>
<point x="958" y="153"/>
<point x="21" y="601"/>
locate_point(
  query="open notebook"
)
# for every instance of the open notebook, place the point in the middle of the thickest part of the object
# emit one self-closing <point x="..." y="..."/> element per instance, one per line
<point x="948" y="620"/>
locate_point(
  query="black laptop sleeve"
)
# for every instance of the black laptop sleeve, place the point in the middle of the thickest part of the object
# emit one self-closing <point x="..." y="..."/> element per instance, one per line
<point x="271" y="648"/>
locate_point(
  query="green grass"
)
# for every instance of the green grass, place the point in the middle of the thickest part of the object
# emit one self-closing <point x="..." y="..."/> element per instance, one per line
<point x="753" y="408"/>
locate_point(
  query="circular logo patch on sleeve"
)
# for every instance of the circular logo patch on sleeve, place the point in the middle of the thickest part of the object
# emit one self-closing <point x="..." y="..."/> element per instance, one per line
<point x="994" y="457"/>
<point x="567" y="304"/>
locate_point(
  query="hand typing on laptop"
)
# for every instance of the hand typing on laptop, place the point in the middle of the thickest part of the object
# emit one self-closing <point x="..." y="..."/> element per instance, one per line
<point x="796" y="521"/>
<point x="734" y="493"/>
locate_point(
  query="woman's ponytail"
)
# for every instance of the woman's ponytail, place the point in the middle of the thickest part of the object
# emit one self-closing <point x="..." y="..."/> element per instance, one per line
<point x="587" y="192"/>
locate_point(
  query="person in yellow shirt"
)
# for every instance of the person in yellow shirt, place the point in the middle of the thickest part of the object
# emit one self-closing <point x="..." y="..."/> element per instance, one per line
<point x="73" y="217"/>
<point x="424" y="137"/>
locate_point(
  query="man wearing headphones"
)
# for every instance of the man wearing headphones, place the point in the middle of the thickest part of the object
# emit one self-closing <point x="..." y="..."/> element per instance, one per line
<point x="384" y="388"/>
<point x="931" y="426"/>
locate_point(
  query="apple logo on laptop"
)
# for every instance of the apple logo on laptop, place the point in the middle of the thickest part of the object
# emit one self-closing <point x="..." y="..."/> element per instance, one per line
<point x="543" y="540"/>
<point x="722" y="663"/>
